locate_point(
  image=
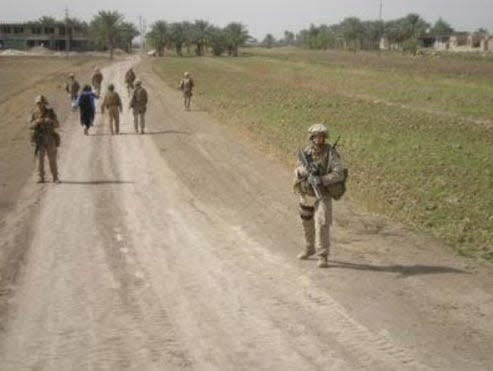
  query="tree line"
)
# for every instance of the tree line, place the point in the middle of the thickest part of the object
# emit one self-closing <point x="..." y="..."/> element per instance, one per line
<point x="353" y="33"/>
<point x="199" y="35"/>
<point x="108" y="30"/>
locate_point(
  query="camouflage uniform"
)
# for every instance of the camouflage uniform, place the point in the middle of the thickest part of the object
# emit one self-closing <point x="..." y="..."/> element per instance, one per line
<point x="138" y="103"/>
<point x="316" y="214"/>
<point x="43" y="123"/>
<point x="187" y="85"/>
<point x="72" y="87"/>
<point x="97" y="79"/>
<point x="129" y="79"/>
<point x="113" y="104"/>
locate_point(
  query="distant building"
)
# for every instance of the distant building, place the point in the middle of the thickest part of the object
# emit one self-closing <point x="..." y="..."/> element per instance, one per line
<point x="486" y="44"/>
<point x="459" y="42"/>
<point x="23" y="36"/>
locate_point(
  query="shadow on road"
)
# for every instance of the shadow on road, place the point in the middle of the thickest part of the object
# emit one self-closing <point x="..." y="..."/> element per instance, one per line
<point x="402" y="270"/>
<point x="146" y="133"/>
<point x="96" y="182"/>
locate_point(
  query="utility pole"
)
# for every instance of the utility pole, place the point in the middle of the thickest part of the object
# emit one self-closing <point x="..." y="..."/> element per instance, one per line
<point x="144" y="31"/>
<point x="381" y="25"/>
<point x="67" y="36"/>
<point x="141" y="30"/>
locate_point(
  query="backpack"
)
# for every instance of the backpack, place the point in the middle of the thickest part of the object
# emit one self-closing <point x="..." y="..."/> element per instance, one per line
<point x="337" y="190"/>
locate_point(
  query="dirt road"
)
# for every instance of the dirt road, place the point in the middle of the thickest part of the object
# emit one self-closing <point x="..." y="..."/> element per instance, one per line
<point x="176" y="250"/>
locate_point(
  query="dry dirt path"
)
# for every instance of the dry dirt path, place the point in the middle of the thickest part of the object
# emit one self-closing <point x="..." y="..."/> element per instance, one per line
<point x="176" y="250"/>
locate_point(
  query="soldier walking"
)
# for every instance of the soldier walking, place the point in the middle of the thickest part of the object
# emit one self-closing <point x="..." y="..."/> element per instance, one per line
<point x="72" y="88"/>
<point x="186" y="86"/>
<point x="113" y="104"/>
<point x="129" y="79"/>
<point x="46" y="140"/>
<point x="315" y="205"/>
<point x="97" y="79"/>
<point x="138" y="103"/>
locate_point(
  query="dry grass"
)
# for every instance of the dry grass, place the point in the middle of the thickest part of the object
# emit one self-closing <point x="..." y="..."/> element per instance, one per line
<point x="417" y="136"/>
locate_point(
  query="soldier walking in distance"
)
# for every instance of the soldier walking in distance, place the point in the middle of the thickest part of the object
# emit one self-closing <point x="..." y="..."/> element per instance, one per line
<point x="97" y="79"/>
<point x="319" y="168"/>
<point x="45" y="138"/>
<point x="138" y="103"/>
<point x="72" y="88"/>
<point x="186" y="86"/>
<point x="129" y="79"/>
<point x="113" y="104"/>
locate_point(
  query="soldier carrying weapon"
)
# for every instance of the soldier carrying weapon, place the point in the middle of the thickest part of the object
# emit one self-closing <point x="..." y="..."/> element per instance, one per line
<point x="44" y="137"/>
<point x="319" y="177"/>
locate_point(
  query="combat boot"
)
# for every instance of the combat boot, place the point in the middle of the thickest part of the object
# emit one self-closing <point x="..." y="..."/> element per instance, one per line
<point x="41" y="180"/>
<point x="322" y="262"/>
<point x="309" y="234"/>
<point x="306" y="254"/>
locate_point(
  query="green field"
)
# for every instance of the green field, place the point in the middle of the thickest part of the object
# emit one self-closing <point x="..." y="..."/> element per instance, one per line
<point x="417" y="133"/>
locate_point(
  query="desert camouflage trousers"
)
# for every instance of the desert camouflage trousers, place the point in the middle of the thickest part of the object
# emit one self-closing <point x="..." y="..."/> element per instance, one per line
<point x="49" y="150"/>
<point x="316" y="219"/>
<point x="114" y="119"/>
<point x="139" y="120"/>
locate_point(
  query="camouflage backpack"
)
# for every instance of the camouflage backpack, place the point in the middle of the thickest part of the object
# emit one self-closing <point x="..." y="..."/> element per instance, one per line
<point x="337" y="190"/>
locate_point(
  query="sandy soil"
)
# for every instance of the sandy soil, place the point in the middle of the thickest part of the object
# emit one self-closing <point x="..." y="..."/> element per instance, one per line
<point x="176" y="250"/>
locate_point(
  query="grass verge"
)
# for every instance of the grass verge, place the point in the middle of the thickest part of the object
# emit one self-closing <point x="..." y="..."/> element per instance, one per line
<point x="426" y="162"/>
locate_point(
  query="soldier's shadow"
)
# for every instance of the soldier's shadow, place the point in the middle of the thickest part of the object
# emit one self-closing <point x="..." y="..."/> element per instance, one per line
<point x="163" y="132"/>
<point x="95" y="182"/>
<point x="402" y="270"/>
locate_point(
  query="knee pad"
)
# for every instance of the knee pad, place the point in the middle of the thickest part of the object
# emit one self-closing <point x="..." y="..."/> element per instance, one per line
<point x="306" y="212"/>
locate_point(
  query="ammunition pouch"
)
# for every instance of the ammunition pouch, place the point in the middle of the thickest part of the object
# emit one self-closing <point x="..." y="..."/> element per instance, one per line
<point x="337" y="190"/>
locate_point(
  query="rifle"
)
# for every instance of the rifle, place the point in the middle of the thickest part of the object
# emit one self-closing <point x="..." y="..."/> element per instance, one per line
<point x="36" y="138"/>
<point x="313" y="173"/>
<point x="335" y="143"/>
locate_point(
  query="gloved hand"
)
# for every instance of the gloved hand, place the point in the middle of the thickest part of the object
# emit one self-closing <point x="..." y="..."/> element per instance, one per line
<point x="315" y="180"/>
<point x="301" y="172"/>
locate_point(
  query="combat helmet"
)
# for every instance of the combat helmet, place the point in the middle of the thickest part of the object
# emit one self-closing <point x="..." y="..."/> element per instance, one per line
<point x="186" y="74"/>
<point x="41" y="99"/>
<point x="138" y="82"/>
<point x="317" y="129"/>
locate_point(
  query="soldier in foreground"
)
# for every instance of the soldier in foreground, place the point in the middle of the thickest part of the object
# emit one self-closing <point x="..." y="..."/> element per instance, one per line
<point x="129" y="79"/>
<point x="138" y="103"/>
<point x="97" y="79"/>
<point x="44" y="137"/>
<point x="186" y="86"/>
<point x="72" y="88"/>
<point x="319" y="168"/>
<point x="113" y="103"/>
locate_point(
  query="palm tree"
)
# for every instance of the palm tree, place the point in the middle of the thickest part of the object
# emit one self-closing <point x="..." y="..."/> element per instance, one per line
<point x="236" y="36"/>
<point x="217" y="40"/>
<point x="268" y="41"/>
<point x="200" y="36"/>
<point x="105" y="29"/>
<point x="177" y="36"/>
<point x="159" y="36"/>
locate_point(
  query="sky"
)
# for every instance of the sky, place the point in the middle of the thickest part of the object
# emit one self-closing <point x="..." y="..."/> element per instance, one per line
<point x="260" y="16"/>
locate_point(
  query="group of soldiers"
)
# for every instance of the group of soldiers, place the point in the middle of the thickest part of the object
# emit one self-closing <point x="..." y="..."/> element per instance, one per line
<point x="111" y="103"/>
<point x="44" y="121"/>
<point x="319" y="168"/>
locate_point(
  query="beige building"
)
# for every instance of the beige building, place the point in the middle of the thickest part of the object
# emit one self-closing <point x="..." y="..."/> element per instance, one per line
<point x="24" y="36"/>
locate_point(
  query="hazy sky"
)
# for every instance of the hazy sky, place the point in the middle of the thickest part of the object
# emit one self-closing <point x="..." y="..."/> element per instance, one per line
<point x="260" y="16"/>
